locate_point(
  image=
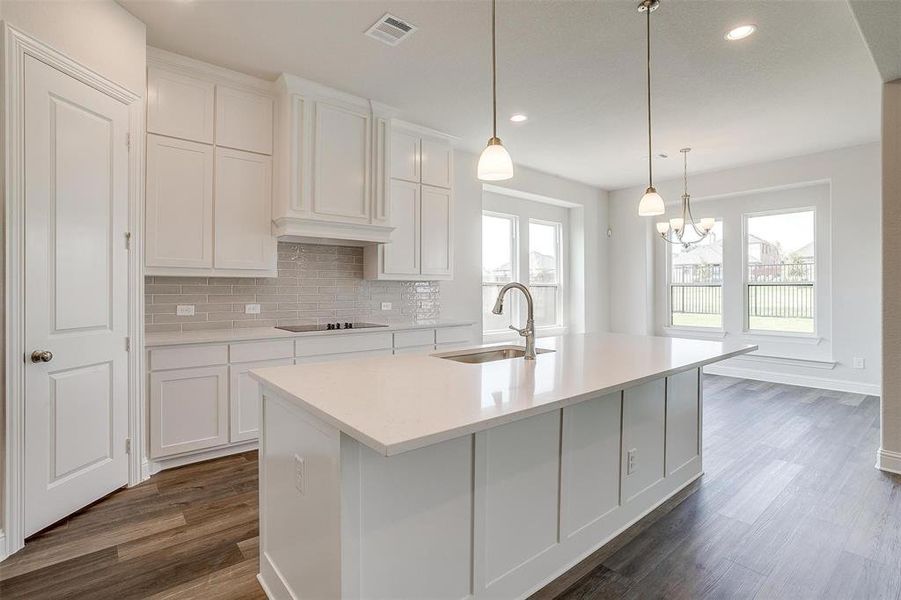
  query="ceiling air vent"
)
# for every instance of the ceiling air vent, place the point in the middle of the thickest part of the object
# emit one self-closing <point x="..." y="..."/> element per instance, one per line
<point x="391" y="30"/>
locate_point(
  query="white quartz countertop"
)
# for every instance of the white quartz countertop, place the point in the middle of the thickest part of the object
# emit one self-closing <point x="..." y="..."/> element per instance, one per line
<point x="244" y="334"/>
<point x="399" y="403"/>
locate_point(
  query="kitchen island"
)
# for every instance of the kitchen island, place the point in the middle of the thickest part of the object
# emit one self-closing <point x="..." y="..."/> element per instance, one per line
<point x="425" y="477"/>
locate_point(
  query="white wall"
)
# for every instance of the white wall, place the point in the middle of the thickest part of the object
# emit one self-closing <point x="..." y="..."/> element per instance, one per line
<point x="462" y="297"/>
<point x="853" y="179"/>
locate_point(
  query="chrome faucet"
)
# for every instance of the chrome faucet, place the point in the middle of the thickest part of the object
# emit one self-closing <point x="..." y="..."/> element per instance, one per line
<point x="528" y="331"/>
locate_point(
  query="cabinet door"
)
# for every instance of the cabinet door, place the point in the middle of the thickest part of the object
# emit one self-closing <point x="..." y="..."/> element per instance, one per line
<point x="401" y="256"/>
<point x="179" y="204"/>
<point x="405" y="153"/>
<point x="243" y="120"/>
<point x="437" y="163"/>
<point x="188" y="410"/>
<point x="179" y="105"/>
<point x="341" y="152"/>
<point x="244" y="399"/>
<point x="243" y="211"/>
<point x="437" y="235"/>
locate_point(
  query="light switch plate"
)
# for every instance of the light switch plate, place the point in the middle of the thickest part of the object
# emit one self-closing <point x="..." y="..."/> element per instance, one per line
<point x="184" y="310"/>
<point x="386" y="306"/>
<point x="251" y="309"/>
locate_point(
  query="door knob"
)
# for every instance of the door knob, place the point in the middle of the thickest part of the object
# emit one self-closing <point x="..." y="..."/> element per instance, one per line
<point x="41" y="356"/>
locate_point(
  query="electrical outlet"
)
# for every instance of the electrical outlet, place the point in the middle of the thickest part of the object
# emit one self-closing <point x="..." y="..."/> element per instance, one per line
<point x="631" y="461"/>
<point x="184" y="310"/>
<point x="386" y="306"/>
<point x="860" y="363"/>
<point x="299" y="482"/>
<point x="251" y="309"/>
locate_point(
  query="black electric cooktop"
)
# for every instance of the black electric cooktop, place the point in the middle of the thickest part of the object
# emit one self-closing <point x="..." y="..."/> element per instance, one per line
<point x="328" y="327"/>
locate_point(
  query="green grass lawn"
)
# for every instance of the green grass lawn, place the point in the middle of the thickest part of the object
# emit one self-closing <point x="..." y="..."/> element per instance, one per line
<point x="756" y="323"/>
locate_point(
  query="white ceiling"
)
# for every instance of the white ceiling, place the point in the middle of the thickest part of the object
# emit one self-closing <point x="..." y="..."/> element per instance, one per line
<point x="805" y="82"/>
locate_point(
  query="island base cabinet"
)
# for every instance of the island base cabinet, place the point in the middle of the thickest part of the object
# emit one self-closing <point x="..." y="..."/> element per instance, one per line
<point x="495" y="514"/>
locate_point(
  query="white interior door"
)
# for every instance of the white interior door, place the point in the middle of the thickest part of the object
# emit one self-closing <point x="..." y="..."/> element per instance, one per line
<point x="76" y="294"/>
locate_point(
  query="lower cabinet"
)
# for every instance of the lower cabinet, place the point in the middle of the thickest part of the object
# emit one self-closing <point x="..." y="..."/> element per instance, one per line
<point x="244" y="399"/>
<point x="188" y="410"/>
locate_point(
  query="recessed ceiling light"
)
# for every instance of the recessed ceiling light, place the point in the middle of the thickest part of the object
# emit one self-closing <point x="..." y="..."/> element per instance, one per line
<point x="519" y="118"/>
<point x="740" y="32"/>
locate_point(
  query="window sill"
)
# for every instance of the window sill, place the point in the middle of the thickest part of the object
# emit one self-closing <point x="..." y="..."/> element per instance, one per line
<point x="791" y="338"/>
<point x="694" y="332"/>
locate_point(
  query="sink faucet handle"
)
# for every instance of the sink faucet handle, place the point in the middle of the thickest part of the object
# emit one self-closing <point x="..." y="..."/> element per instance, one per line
<point x="523" y="332"/>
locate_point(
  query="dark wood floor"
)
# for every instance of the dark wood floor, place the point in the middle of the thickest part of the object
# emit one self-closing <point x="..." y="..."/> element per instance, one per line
<point x="790" y="506"/>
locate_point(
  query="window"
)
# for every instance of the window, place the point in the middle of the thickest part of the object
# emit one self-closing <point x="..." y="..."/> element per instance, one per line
<point x="533" y="256"/>
<point x="498" y="267"/>
<point x="696" y="282"/>
<point x="544" y="271"/>
<point x="781" y="268"/>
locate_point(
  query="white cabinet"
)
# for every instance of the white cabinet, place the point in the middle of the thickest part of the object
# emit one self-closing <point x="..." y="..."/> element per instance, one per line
<point x="179" y="105"/>
<point x="188" y="410"/>
<point x="209" y="181"/>
<point x="401" y="256"/>
<point x="436" y="235"/>
<point x="421" y="209"/>
<point x="244" y="399"/>
<point x="179" y="203"/>
<point x="243" y="223"/>
<point x="437" y="162"/>
<point x="244" y="119"/>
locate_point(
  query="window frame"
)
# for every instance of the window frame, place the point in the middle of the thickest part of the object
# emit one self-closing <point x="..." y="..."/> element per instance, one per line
<point x="746" y="305"/>
<point x="560" y="296"/>
<point x="722" y="285"/>
<point x="513" y="307"/>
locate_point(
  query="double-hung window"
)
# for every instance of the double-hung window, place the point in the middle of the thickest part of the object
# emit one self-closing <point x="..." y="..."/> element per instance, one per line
<point x="696" y="282"/>
<point x="780" y="257"/>
<point x="545" y="271"/>
<point x="499" y="266"/>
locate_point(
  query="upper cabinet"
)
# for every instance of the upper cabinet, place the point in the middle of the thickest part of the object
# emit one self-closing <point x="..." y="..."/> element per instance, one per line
<point x="179" y="105"/>
<point x="420" y="201"/>
<point x="209" y="171"/>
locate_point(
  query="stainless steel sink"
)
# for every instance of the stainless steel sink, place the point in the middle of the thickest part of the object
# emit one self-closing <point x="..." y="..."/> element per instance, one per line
<point x="484" y="355"/>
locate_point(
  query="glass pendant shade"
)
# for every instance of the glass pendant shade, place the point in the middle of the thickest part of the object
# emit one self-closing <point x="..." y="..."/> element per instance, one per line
<point x="495" y="163"/>
<point x="707" y="223"/>
<point x="677" y="224"/>
<point x="651" y="204"/>
<point x="662" y="227"/>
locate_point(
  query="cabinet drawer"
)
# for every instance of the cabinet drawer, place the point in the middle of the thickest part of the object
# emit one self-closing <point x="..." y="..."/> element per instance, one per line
<point x="188" y="356"/>
<point x="360" y="342"/>
<point x="454" y="335"/>
<point x="419" y="337"/>
<point x="257" y="351"/>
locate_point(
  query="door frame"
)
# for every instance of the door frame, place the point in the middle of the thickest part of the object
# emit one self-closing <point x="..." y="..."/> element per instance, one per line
<point x="16" y="45"/>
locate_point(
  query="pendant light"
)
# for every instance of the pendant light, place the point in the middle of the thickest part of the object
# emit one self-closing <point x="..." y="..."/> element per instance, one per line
<point x="495" y="163"/>
<point x="651" y="203"/>
<point x="673" y="231"/>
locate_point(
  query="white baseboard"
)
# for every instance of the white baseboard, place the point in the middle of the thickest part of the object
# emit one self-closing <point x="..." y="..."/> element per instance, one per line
<point x="151" y="467"/>
<point x="886" y="460"/>
<point x="825" y="383"/>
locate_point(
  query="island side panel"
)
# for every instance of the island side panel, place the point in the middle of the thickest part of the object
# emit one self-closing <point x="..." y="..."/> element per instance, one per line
<point x="300" y="500"/>
<point x="683" y="424"/>
<point x="407" y="521"/>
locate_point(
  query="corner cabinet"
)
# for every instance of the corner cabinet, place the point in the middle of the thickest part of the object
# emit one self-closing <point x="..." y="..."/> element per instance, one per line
<point x="331" y="180"/>
<point x="420" y="203"/>
<point x="209" y="171"/>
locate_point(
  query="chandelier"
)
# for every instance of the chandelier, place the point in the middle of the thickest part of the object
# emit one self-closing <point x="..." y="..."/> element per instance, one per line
<point x="673" y="231"/>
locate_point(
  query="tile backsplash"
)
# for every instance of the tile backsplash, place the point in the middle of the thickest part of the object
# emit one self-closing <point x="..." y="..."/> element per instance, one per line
<point x="315" y="284"/>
